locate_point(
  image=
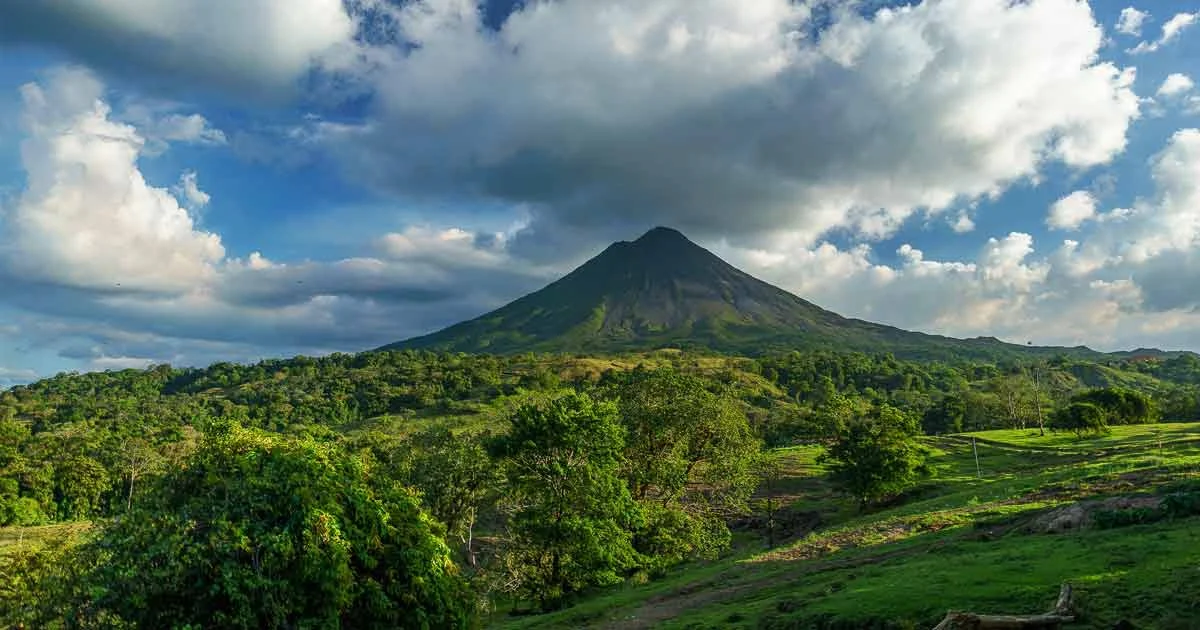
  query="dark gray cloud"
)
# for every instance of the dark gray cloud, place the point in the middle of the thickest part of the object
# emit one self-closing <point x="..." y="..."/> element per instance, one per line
<point x="251" y="50"/>
<point x="735" y="119"/>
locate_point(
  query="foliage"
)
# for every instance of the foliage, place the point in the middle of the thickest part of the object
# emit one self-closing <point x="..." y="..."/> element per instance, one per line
<point x="946" y="416"/>
<point x="964" y="543"/>
<point x="571" y="512"/>
<point x="78" y="445"/>
<point x="455" y="476"/>
<point x="263" y="531"/>
<point x="1120" y="405"/>
<point x="94" y="446"/>
<point x="1080" y="418"/>
<point x="689" y="453"/>
<point x="46" y="585"/>
<point x="876" y="455"/>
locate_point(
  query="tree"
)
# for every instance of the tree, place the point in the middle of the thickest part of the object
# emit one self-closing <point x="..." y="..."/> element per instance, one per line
<point x="265" y="531"/>
<point x="455" y="475"/>
<point x="876" y="455"/>
<point x="689" y="453"/>
<point x="946" y="416"/>
<point x="571" y="513"/>
<point x="1120" y="405"/>
<point x="80" y="482"/>
<point x="137" y="458"/>
<point x="1080" y="418"/>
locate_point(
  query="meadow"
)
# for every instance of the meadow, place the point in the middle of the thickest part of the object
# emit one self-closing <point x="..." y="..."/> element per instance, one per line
<point x="979" y="538"/>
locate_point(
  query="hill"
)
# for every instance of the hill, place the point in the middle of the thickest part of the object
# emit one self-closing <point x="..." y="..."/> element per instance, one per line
<point x="997" y="533"/>
<point x="664" y="291"/>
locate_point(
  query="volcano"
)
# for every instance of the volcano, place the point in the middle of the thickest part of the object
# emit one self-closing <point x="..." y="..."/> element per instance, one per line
<point x="664" y="291"/>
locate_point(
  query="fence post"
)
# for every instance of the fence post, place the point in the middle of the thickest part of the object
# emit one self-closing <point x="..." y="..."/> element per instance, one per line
<point x="978" y="471"/>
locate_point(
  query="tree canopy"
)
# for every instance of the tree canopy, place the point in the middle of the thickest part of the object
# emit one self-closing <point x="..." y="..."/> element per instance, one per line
<point x="263" y="531"/>
<point x="571" y="512"/>
<point x="876" y="455"/>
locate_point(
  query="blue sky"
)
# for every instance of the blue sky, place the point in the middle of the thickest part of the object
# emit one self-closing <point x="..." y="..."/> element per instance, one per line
<point x="189" y="181"/>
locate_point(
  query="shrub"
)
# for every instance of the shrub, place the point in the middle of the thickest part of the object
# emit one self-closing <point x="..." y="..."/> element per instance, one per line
<point x="265" y="531"/>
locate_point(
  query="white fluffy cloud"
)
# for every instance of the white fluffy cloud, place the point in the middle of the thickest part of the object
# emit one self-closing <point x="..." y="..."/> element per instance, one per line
<point x="1180" y="91"/>
<point x="1127" y="281"/>
<point x="1171" y="30"/>
<point x="252" y="46"/>
<point x="1171" y="221"/>
<point x="604" y="115"/>
<point x="89" y="240"/>
<point x="1072" y="211"/>
<point x="1131" y="20"/>
<point x="188" y="189"/>
<point x="992" y="295"/>
<point x="87" y="216"/>
<point x="161" y="124"/>
<point x="1175" y="84"/>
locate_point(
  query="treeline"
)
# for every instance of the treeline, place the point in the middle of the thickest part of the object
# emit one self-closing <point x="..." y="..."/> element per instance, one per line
<point x="73" y="447"/>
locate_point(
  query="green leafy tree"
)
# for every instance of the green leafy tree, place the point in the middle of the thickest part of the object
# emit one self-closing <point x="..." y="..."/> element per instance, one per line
<point x="689" y="453"/>
<point x="1080" y="418"/>
<point x="1120" y="405"/>
<point x="571" y="512"/>
<point x="261" y="531"/>
<point x="456" y="477"/>
<point x="876" y="455"/>
<point x="946" y="416"/>
<point x="80" y="483"/>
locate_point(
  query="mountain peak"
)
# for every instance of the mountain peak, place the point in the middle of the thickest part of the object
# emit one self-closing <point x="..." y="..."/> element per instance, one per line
<point x="662" y="235"/>
<point x="663" y="290"/>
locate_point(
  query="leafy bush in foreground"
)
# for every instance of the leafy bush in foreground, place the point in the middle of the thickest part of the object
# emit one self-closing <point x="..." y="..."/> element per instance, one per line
<point x="261" y="531"/>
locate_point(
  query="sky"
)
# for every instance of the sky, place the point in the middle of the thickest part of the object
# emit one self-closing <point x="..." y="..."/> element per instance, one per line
<point x="192" y="181"/>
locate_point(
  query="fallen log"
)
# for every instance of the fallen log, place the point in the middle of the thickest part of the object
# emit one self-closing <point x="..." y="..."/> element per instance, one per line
<point x="1062" y="613"/>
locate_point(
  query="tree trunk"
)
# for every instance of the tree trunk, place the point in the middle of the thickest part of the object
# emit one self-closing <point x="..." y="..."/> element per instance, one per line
<point x="1052" y="620"/>
<point x="470" y="537"/>
<point x="129" y="497"/>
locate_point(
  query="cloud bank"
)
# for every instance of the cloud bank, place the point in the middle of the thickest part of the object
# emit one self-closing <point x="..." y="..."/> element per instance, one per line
<point x="792" y="137"/>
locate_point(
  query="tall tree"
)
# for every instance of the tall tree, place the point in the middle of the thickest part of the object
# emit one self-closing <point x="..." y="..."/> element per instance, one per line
<point x="690" y="458"/>
<point x="455" y="476"/>
<point x="571" y="513"/>
<point x="876" y="455"/>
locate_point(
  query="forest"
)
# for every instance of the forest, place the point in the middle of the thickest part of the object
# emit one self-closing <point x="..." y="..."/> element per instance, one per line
<point x="415" y="489"/>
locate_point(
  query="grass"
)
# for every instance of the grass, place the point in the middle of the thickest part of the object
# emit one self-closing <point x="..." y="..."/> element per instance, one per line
<point x="13" y="539"/>
<point x="971" y="538"/>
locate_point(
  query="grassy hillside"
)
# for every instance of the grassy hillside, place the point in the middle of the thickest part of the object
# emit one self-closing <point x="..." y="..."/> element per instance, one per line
<point x="981" y="543"/>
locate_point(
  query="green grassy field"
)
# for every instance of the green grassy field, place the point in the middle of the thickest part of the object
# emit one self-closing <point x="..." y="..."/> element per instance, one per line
<point x="974" y="537"/>
<point x="13" y="539"/>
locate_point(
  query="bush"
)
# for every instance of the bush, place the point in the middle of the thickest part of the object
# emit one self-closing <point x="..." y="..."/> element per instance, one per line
<point x="1110" y="519"/>
<point x="21" y="511"/>
<point x="268" y="532"/>
<point x="1181" y="504"/>
<point x="1080" y="418"/>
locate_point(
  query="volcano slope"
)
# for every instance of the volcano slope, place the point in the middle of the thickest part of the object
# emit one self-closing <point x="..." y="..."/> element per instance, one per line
<point x="664" y="291"/>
